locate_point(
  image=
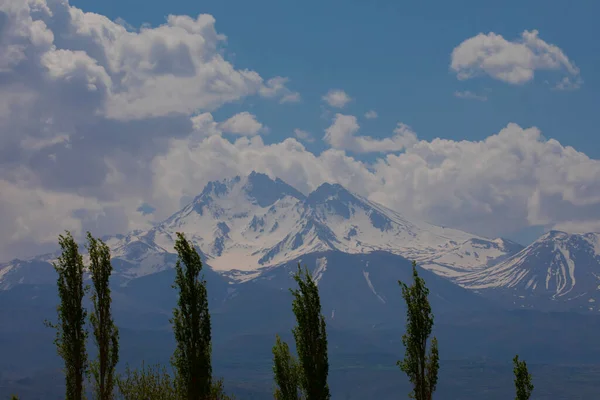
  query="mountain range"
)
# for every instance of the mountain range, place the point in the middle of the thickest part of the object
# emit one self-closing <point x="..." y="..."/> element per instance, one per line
<point x="247" y="226"/>
<point x="253" y="231"/>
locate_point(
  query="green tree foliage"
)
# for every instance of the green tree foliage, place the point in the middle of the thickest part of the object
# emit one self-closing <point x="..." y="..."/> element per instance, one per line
<point x="217" y="391"/>
<point x="523" y="383"/>
<point x="155" y="383"/>
<point x="147" y="383"/>
<point x="286" y="371"/>
<point x="421" y="368"/>
<point x="106" y="334"/>
<point x="71" y="334"/>
<point x="191" y="325"/>
<point x="14" y="397"/>
<point x="311" y="337"/>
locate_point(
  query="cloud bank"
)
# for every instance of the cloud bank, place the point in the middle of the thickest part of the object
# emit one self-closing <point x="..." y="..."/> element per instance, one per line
<point x="513" y="179"/>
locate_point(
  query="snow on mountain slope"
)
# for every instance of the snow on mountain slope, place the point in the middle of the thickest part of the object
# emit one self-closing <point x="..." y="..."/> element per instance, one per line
<point x="557" y="267"/>
<point x="473" y="255"/>
<point x="30" y="272"/>
<point x="233" y="223"/>
<point x="245" y="225"/>
<point x="358" y="225"/>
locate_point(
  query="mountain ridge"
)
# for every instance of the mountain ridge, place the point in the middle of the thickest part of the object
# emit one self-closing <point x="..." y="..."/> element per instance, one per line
<point x="558" y="267"/>
<point x="244" y="226"/>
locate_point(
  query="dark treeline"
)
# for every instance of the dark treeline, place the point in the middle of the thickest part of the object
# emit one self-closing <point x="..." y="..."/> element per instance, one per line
<point x="297" y="377"/>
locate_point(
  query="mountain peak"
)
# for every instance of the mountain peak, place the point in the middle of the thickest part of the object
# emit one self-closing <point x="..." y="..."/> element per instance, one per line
<point x="328" y="187"/>
<point x="554" y="234"/>
<point x="265" y="191"/>
<point x="570" y="239"/>
<point x="218" y="188"/>
<point x="559" y="266"/>
<point x="258" y="188"/>
<point x="328" y="191"/>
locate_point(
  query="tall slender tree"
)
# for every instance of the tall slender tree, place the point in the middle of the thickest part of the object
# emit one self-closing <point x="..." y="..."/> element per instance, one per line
<point x="106" y="334"/>
<point x="70" y="329"/>
<point x="421" y="368"/>
<point x="286" y="371"/>
<point x="191" y="324"/>
<point x="523" y="384"/>
<point x="311" y="337"/>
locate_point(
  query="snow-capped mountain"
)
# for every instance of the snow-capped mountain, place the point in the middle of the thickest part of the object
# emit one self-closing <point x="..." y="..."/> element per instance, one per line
<point x="246" y="225"/>
<point x="557" y="268"/>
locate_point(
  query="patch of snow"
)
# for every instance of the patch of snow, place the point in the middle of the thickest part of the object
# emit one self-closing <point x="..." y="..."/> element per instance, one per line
<point x="320" y="269"/>
<point x="238" y="276"/>
<point x="594" y="240"/>
<point x="531" y="283"/>
<point x="5" y="271"/>
<point x="370" y="284"/>
<point x="234" y="260"/>
<point x="567" y="282"/>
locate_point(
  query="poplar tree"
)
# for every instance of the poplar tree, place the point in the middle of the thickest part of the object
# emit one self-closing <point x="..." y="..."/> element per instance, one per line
<point x="191" y="325"/>
<point x="311" y="337"/>
<point x="420" y="367"/>
<point x="523" y="383"/>
<point x="106" y="334"/>
<point x="285" y="369"/>
<point x="71" y="334"/>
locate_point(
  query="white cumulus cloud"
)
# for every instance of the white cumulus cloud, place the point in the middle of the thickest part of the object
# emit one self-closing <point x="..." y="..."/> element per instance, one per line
<point x="342" y="135"/>
<point x="372" y="114"/>
<point x="275" y="87"/>
<point x="337" y="98"/>
<point x="173" y="68"/>
<point x="205" y="125"/>
<point x="514" y="62"/>
<point x="243" y="123"/>
<point x="304" y="135"/>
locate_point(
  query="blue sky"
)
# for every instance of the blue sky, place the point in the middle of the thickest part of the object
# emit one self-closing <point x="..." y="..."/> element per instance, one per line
<point x="394" y="58"/>
<point x="114" y="113"/>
